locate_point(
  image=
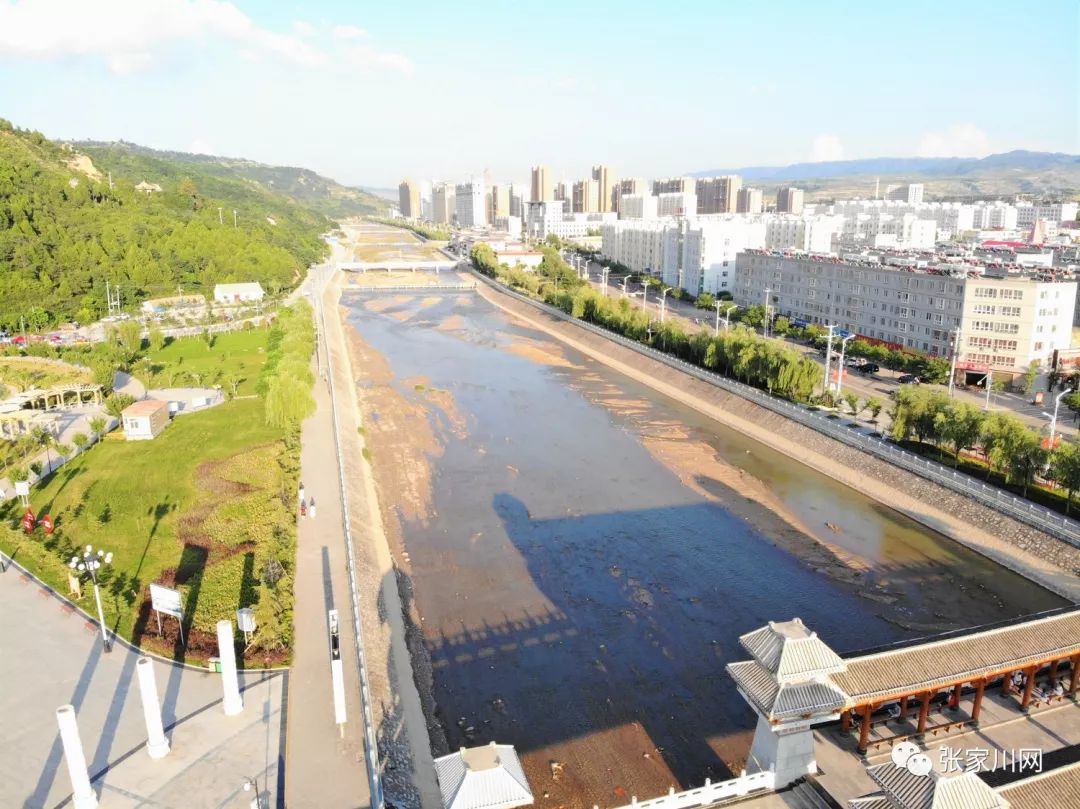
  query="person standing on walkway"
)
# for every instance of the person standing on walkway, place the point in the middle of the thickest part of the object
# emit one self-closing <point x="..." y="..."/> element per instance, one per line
<point x="301" y="495"/>
<point x="311" y="508"/>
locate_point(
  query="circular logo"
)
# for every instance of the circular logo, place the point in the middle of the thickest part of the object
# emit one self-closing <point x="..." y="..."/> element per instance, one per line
<point x="902" y="752"/>
<point x="920" y="764"/>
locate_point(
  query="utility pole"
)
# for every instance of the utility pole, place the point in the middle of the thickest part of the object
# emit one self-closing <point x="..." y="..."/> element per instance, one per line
<point x="110" y="181"/>
<point x="663" y="302"/>
<point x="234" y="218"/>
<point x="716" y="331"/>
<point x="220" y="219"/>
<point x="840" y="370"/>
<point x="1053" y="421"/>
<point x="765" y="325"/>
<point x="605" y="272"/>
<point x="955" y="356"/>
<point x="727" y="316"/>
<point x="989" y="382"/>
<point x="644" y="294"/>
<point x="828" y="356"/>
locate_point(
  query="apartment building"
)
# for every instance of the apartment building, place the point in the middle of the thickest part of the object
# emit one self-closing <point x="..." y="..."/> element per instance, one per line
<point x="789" y="200"/>
<point x="443" y="206"/>
<point x="749" y="200"/>
<point x="633" y="185"/>
<point x="543" y="219"/>
<point x="409" y="199"/>
<point x="880" y="230"/>
<point x="811" y="234"/>
<point x="697" y="254"/>
<point x="471" y="203"/>
<point x="542" y="189"/>
<point x="674" y="185"/>
<point x="1028" y="213"/>
<point x="498" y="201"/>
<point x="637" y="206"/>
<point x="1004" y="323"/>
<point x="717" y="194"/>
<point x="676" y="203"/>
<point x="911" y="193"/>
<point x="993" y="216"/>
<point x="586" y="196"/>
<point x="606" y="184"/>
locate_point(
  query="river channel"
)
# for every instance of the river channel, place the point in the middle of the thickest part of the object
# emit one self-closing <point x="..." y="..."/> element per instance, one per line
<point x="584" y="552"/>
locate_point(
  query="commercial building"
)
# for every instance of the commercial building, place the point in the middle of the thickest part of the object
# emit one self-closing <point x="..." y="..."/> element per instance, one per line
<point x="470" y="203"/>
<point x="749" y="200"/>
<point x="717" y="194"/>
<point x="605" y="188"/>
<point x="409" y="199"/>
<point x="542" y="185"/>
<point x="676" y="203"/>
<point x="443" y="206"/>
<point x="789" y="200"/>
<point x="637" y="206"/>
<point x="1005" y="322"/>
<point x="586" y="196"/>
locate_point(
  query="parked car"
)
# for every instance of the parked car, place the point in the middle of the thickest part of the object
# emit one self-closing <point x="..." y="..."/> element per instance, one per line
<point x="853" y="362"/>
<point x="908" y="379"/>
<point x="868" y="368"/>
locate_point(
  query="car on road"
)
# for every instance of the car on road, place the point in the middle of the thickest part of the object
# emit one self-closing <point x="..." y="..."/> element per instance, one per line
<point x="908" y="379"/>
<point x="868" y="368"/>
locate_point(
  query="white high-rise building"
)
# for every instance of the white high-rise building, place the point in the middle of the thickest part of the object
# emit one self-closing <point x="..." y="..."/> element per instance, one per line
<point x="470" y="199"/>
<point x="812" y="234"/>
<point x="676" y="203"/>
<point x="443" y="206"/>
<point x="637" y="206"/>
<point x="426" y="210"/>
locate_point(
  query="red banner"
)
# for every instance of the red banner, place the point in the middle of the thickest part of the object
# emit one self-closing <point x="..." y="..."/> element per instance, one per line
<point x="29" y="520"/>
<point x="47" y="523"/>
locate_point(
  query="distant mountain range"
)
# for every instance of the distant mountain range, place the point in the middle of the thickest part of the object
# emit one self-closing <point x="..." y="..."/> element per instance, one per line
<point x="1006" y="174"/>
<point x="302" y="185"/>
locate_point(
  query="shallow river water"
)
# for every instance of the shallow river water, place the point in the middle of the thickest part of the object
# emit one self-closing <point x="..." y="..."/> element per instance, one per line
<point x="584" y="552"/>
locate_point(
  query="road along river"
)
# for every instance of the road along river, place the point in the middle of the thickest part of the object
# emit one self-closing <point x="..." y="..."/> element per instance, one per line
<point x="581" y="553"/>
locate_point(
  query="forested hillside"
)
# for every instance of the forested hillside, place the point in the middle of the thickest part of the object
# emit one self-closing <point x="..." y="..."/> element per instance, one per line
<point x="64" y="231"/>
<point x="301" y="185"/>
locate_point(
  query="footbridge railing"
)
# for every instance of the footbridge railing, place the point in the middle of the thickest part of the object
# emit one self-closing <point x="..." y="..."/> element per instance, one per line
<point x="1053" y="523"/>
<point x="709" y="794"/>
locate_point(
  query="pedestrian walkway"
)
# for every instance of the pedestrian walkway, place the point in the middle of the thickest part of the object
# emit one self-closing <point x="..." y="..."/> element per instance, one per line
<point x="52" y="656"/>
<point x="325" y="766"/>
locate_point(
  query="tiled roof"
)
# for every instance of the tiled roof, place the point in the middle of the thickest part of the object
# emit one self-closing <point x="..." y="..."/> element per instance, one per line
<point x="1056" y="788"/>
<point x="791" y="651"/>
<point x="488" y="777"/>
<point x="145" y="407"/>
<point x="906" y="790"/>
<point x="889" y="674"/>
<point x="786" y="700"/>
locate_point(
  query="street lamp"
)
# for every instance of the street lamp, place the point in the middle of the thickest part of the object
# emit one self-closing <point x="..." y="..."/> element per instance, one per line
<point x="840" y="370"/>
<point x="250" y="784"/>
<point x="624" y="280"/>
<point x="644" y="293"/>
<point x="716" y="331"/>
<point x="663" y="302"/>
<point x="727" y="315"/>
<point x="89" y="562"/>
<point x="1053" y="419"/>
<point x="604" y="274"/>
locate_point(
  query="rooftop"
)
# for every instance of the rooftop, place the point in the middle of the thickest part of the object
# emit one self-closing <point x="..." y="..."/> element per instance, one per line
<point x="145" y="407"/>
<point x="488" y="777"/>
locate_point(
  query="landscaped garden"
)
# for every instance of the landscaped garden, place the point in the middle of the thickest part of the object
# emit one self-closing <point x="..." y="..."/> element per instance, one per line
<point x="207" y="507"/>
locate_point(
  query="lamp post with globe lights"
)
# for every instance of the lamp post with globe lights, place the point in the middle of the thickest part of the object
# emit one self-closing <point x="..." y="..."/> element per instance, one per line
<point x="90" y="562"/>
<point x="253" y="783"/>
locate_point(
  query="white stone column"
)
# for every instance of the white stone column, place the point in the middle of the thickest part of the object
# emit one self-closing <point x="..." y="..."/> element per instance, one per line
<point x="156" y="743"/>
<point x="229" y="684"/>
<point x="83" y="796"/>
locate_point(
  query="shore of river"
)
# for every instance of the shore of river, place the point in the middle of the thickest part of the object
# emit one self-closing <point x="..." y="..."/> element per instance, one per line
<point x="1035" y="555"/>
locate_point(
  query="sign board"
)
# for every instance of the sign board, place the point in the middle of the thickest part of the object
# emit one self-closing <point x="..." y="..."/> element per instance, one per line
<point x="245" y="619"/>
<point x="166" y="600"/>
<point x="22" y="488"/>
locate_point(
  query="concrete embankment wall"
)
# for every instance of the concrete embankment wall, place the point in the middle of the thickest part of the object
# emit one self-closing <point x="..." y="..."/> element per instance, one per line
<point x="1022" y="548"/>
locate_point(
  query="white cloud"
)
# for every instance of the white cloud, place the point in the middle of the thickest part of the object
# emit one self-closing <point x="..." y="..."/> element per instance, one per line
<point x="361" y="57"/>
<point x="349" y="32"/>
<point x="126" y="34"/>
<point x="826" y="148"/>
<point x="959" y="140"/>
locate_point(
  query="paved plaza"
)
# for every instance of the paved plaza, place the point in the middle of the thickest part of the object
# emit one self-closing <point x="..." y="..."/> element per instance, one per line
<point x="52" y="657"/>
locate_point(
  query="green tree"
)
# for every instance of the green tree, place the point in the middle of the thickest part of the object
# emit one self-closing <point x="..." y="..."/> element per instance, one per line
<point x="80" y="440"/>
<point x="157" y="339"/>
<point x="753" y="316"/>
<point x="116" y="403"/>
<point x="45" y="440"/>
<point x="97" y="427"/>
<point x="1065" y="470"/>
<point x="1027" y="458"/>
<point x="960" y="425"/>
<point x="705" y="300"/>
<point x="781" y="326"/>
<point x="852" y="401"/>
<point x="874" y="405"/>
<point x="1025" y="383"/>
<point x="129" y="337"/>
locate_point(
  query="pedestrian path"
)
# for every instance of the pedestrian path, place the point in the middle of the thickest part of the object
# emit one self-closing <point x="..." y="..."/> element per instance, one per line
<point x="325" y="765"/>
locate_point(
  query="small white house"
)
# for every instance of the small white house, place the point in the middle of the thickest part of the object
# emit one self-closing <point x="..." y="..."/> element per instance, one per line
<point x="145" y="419"/>
<point x="238" y="293"/>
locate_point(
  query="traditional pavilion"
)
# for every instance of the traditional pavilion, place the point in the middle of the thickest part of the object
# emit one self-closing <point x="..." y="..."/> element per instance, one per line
<point x="487" y="777"/>
<point x="795" y="681"/>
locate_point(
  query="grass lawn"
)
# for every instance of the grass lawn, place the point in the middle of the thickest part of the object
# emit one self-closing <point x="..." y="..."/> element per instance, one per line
<point x="192" y="508"/>
<point x="32" y="372"/>
<point x="189" y="361"/>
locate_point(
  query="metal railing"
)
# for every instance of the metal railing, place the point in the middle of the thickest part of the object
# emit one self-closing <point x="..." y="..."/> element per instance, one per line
<point x="1020" y="509"/>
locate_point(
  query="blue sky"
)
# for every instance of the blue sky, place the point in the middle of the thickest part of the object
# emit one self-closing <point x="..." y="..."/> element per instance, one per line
<point x="371" y="92"/>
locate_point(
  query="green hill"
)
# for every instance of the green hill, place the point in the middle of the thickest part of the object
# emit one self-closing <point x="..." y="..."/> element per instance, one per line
<point x="302" y="185"/>
<point x="64" y="231"/>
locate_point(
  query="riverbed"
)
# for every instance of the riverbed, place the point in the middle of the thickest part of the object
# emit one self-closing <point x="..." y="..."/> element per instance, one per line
<point x="582" y="553"/>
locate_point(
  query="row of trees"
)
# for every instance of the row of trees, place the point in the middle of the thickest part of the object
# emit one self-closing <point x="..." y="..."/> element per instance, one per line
<point x="287" y="379"/>
<point x="432" y="232"/>
<point x="1006" y="445"/>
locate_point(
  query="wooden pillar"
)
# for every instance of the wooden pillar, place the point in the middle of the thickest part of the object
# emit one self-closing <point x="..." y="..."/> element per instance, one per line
<point x="1006" y="684"/>
<point x="1053" y="673"/>
<point x="864" y="731"/>
<point x="845" y="721"/>
<point x="980" y="687"/>
<point x="903" y="708"/>
<point x="1072" y="676"/>
<point x="954" y="698"/>
<point x="924" y="711"/>
<point x="1030" y="684"/>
